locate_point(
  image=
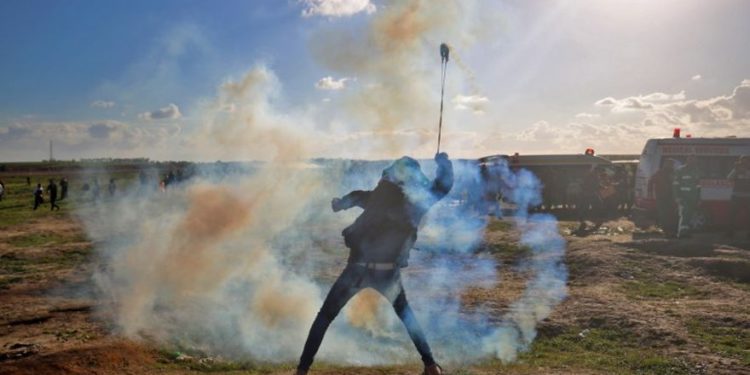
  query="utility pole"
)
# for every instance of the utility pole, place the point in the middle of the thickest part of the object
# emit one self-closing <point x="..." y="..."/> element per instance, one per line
<point x="51" y="156"/>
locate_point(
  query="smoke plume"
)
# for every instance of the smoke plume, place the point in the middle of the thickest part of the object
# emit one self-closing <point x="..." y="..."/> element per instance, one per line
<point x="237" y="263"/>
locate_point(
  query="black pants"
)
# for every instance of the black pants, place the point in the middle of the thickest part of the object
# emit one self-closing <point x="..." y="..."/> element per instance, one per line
<point x="53" y="205"/>
<point x="589" y="206"/>
<point x="352" y="280"/>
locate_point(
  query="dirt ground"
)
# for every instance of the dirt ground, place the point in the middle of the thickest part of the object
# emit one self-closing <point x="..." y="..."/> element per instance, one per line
<point x="637" y="304"/>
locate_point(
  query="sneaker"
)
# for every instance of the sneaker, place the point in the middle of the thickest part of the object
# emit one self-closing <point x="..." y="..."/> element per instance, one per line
<point x="434" y="369"/>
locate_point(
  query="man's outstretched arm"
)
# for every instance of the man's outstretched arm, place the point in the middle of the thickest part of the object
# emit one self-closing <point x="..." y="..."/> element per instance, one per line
<point x="356" y="198"/>
<point x="444" y="179"/>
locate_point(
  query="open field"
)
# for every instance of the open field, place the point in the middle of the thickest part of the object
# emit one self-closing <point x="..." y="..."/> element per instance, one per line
<point x="637" y="304"/>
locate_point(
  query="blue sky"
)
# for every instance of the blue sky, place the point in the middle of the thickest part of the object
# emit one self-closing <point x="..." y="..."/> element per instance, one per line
<point x="358" y="78"/>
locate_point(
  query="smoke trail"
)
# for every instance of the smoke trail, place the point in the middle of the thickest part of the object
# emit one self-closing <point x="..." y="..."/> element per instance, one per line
<point x="395" y="59"/>
<point x="238" y="264"/>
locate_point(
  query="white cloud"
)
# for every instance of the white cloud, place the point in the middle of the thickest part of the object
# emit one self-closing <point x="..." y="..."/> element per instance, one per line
<point x="651" y="116"/>
<point x="585" y="115"/>
<point x="102" y="104"/>
<point x="696" y="77"/>
<point x="330" y="83"/>
<point x="640" y="102"/>
<point x="171" y="112"/>
<point x="28" y="139"/>
<point x="336" y="8"/>
<point x="474" y="103"/>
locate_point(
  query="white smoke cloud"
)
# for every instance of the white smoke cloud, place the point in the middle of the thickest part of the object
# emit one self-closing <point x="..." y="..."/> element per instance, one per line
<point x="696" y="77"/>
<point x="170" y="112"/>
<point x="474" y="103"/>
<point x="102" y="104"/>
<point x="336" y="8"/>
<point x="330" y="83"/>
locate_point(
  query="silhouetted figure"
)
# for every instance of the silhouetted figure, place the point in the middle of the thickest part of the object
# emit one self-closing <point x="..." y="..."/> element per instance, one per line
<point x="660" y="187"/>
<point x="28" y="181"/>
<point x="112" y="187"/>
<point x="687" y="192"/>
<point x="63" y="188"/>
<point x="589" y="202"/>
<point x="143" y="178"/>
<point x="379" y="242"/>
<point x="622" y="188"/>
<point x="38" y="196"/>
<point x="2" y="189"/>
<point x="740" y="176"/>
<point x="52" y="191"/>
<point x="95" y="189"/>
<point x="170" y="179"/>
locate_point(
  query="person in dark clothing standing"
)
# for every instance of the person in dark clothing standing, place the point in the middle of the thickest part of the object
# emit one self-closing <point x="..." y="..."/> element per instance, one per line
<point x="379" y="241"/>
<point x="589" y="203"/>
<point x="52" y="191"/>
<point x="687" y="192"/>
<point x="740" y="176"/>
<point x="660" y="187"/>
<point x="95" y="190"/>
<point x="112" y="187"/>
<point x="38" y="196"/>
<point x="63" y="188"/>
<point x="2" y="190"/>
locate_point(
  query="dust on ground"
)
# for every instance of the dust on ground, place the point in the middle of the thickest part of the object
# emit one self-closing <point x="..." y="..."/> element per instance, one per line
<point x="637" y="304"/>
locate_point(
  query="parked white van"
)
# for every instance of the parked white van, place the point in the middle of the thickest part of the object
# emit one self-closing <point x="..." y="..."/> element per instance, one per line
<point x="716" y="158"/>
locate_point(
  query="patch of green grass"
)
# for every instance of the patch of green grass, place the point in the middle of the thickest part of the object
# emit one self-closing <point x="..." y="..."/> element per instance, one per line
<point x="723" y="339"/>
<point x="16" y="267"/>
<point x="37" y="239"/>
<point x="6" y="282"/>
<point x="509" y="251"/>
<point x="610" y="350"/>
<point x="659" y="290"/>
<point x="496" y="225"/>
<point x="11" y="264"/>
<point x="18" y="201"/>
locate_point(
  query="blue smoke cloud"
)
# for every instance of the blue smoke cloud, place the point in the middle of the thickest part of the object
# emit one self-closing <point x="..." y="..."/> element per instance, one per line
<point x="251" y="291"/>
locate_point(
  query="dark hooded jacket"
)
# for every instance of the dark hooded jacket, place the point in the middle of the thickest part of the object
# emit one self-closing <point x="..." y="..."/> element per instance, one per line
<point x="387" y="229"/>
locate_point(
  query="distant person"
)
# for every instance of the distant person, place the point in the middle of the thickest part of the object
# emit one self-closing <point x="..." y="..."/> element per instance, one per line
<point x="660" y="188"/>
<point x="589" y="201"/>
<point x="607" y="192"/>
<point x="2" y="189"/>
<point x="63" y="188"/>
<point x="52" y="191"/>
<point x="28" y="181"/>
<point x="170" y="179"/>
<point x="687" y="193"/>
<point x="95" y="190"/>
<point x="622" y="188"/>
<point x="143" y="178"/>
<point x="740" y="176"/>
<point x="380" y="240"/>
<point x="38" y="196"/>
<point x="112" y="187"/>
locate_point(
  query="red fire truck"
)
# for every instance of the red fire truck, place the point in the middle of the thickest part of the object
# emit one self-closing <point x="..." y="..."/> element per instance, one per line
<point x="716" y="158"/>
